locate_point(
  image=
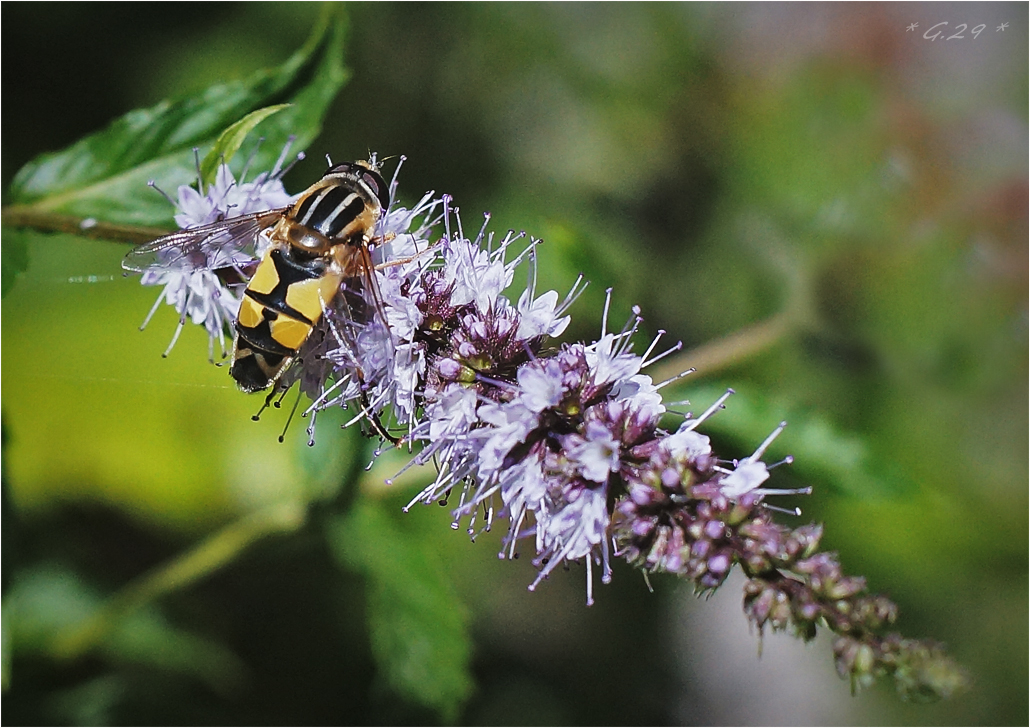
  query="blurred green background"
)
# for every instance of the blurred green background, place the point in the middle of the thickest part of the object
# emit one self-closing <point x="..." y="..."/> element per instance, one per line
<point x="859" y="188"/>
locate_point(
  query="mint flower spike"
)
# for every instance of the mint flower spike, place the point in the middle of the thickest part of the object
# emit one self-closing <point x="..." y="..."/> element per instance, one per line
<point x="564" y="442"/>
<point x="565" y="445"/>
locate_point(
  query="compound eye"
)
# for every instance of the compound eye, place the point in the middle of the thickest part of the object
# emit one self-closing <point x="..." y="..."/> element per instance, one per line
<point x="378" y="186"/>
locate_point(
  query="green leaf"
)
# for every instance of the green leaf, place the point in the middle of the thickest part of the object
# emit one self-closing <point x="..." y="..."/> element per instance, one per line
<point x="230" y="140"/>
<point x="418" y="624"/>
<point x="337" y="459"/>
<point x="824" y="453"/>
<point x="105" y="174"/>
<point x="14" y="260"/>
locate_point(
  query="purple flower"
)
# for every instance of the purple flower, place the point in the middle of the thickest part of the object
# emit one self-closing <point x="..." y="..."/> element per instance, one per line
<point x="190" y="283"/>
<point x="566" y="443"/>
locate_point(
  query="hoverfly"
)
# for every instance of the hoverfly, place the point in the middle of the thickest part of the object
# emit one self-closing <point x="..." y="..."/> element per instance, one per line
<point x="315" y="244"/>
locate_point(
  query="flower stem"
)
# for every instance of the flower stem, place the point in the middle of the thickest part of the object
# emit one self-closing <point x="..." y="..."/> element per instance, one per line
<point x="23" y="216"/>
<point x="730" y="349"/>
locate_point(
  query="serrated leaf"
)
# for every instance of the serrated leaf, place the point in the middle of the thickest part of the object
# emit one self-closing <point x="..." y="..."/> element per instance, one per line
<point x="840" y="460"/>
<point x="14" y="260"/>
<point x="105" y="174"/>
<point x="418" y="624"/>
<point x="230" y="140"/>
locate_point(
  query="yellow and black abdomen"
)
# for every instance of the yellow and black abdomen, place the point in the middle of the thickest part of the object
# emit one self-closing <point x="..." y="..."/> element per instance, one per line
<point x="282" y="304"/>
<point x="322" y="240"/>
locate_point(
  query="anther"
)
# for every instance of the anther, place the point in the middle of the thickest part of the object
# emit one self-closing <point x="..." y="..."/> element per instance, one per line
<point x="676" y="378"/>
<point x="604" y="315"/>
<point x="153" y="185"/>
<point x="708" y="412"/>
<point x="282" y="173"/>
<point x="768" y="441"/>
<point x="179" y="327"/>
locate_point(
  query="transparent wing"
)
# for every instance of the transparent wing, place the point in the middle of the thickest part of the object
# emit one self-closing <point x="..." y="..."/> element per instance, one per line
<point x="372" y="286"/>
<point x="219" y="244"/>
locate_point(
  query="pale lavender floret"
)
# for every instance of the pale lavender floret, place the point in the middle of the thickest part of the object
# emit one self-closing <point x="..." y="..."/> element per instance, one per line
<point x="687" y="443"/>
<point x="574" y="528"/>
<point x="195" y="294"/>
<point x="373" y="359"/>
<point x="540" y="385"/>
<point x="596" y="453"/>
<point x="452" y="414"/>
<point x="608" y="362"/>
<point x="523" y="488"/>
<point x="476" y="275"/>
<point x="644" y="394"/>
<point x="565" y="495"/>
<point x="198" y="208"/>
<point x="408" y="371"/>
<point x="402" y="312"/>
<point x="404" y="233"/>
<point x="225" y="199"/>
<point x="744" y="479"/>
<point x="540" y="317"/>
<point x="504" y="427"/>
<point x="751" y="472"/>
<point x="189" y="284"/>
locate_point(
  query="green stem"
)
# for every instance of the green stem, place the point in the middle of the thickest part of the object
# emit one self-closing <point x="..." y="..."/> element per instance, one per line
<point x="24" y="216"/>
<point x="730" y="349"/>
<point x="210" y="555"/>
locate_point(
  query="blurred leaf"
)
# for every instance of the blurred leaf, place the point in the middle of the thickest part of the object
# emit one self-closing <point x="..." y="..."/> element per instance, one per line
<point x="92" y="702"/>
<point x="419" y="632"/>
<point x="6" y="650"/>
<point x="105" y="175"/>
<point x="813" y="153"/>
<point x="14" y="261"/>
<point x="146" y="638"/>
<point x="337" y="458"/>
<point x="228" y="143"/>
<point x="43" y="601"/>
<point x="211" y="554"/>
<point x="50" y="600"/>
<point x="841" y="461"/>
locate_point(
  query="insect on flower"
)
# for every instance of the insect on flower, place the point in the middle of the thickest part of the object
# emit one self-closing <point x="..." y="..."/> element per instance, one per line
<point x="315" y="244"/>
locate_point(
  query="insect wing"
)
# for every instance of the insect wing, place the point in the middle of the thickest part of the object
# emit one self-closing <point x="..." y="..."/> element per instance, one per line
<point x="368" y="272"/>
<point x="223" y="244"/>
